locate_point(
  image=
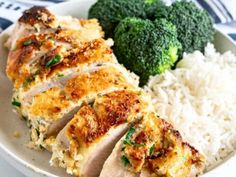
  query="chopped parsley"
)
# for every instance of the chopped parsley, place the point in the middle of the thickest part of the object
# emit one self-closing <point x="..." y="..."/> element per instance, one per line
<point x="27" y="42"/>
<point x="151" y="150"/>
<point x="27" y="82"/>
<point x="16" y="103"/>
<point x="185" y="157"/>
<point x="60" y="75"/>
<point x="56" y="59"/>
<point x="37" y="72"/>
<point x="127" y="139"/>
<point x="50" y="38"/>
<point x="37" y="131"/>
<point x="125" y="160"/>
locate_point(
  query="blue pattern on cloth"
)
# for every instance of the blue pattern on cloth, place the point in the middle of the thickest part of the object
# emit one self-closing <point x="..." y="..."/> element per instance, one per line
<point x="233" y="36"/>
<point x="4" y="23"/>
<point x="222" y="11"/>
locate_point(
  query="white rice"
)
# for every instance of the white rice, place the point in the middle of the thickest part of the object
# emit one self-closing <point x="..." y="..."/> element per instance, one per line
<point x="199" y="99"/>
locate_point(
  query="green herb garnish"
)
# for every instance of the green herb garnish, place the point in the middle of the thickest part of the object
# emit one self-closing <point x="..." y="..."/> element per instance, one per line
<point x="60" y="75"/>
<point x="16" y="103"/>
<point x="28" y="42"/>
<point x="53" y="61"/>
<point x="184" y="157"/>
<point x="125" y="160"/>
<point x="127" y="139"/>
<point x="133" y="144"/>
<point x="37" y="72"/>
<point x="27" y="82"/>
<point x="37" y="131"/>
<point x="151" y="150"/>
<point x="50" y="38"/>
<point x="130" y="133"/>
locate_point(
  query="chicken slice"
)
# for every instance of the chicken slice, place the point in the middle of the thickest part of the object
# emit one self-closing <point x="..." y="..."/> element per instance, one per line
<point x="38" y="20"/>
<point x="87" y="140"/>
<point x="153" y="148"/>
<point x="47" y="50"/>
<point x="88" y="58"/>
<point x="32" y="53"/>
<point x="49" y="111"/>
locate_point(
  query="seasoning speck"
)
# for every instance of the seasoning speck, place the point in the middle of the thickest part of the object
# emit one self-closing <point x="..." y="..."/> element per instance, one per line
<point x="16" y="134"/>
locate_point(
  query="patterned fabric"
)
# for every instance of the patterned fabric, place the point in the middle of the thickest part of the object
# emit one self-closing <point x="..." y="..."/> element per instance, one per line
<point x="222" y="11"/>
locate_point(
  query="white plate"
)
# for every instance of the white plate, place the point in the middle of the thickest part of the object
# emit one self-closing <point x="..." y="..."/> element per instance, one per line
<point x="33" y="163"/>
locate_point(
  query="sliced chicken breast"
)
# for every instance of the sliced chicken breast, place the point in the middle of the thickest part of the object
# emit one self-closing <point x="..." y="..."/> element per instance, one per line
<point x="152" y="147"/>
<point x="49" y="111"/>
<point x="46" y="50"/>
<point x="41" y="53"/>
<point x="87" y="140"/>
<point x="92" y="56"/>
<point x="38" y="20"/>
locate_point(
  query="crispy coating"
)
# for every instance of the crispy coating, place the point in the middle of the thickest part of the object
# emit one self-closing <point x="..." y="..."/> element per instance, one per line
<point x="51" y="104"/>
<point x="76" y="45"/>
<point x="95" y="51"/>
<point x="96" y="82"/>
<point x="157" y="148"/>
<point x="37" y="15"/>
<point x="26" y="63"/>
<point x="95" y="128"/>
<point x="91" y="123"/>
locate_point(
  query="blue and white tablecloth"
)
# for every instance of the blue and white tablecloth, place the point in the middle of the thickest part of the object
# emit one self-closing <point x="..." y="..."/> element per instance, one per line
<point x="222" y="11"/>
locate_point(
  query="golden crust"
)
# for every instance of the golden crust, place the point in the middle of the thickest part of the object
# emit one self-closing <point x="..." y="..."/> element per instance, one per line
<point x="50" y="104"/>
<point x="92" y="122"/>
<point x="18" y="63"/>
<point x="53" y="102"/>
<point x="20" y="69"/>
<point x="95" y="51"/>
<point x="31" y="53"/>
<point x="155" y="146"/>
<point x="37" y="15"/>
<point x="96" y="82"/>
<point x="90" y="30"/>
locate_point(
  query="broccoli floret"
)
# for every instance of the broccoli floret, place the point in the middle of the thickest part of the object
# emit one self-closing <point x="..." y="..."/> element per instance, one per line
<point x="146" y="47"/>
<point x="111" y="12"/>
<point x="194" y="26"/>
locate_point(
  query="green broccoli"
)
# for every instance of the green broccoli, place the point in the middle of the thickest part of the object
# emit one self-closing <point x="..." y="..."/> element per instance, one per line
<point x="111" y="12"/>
<point x="194" y="26"/>
<point x="146" y="47"/>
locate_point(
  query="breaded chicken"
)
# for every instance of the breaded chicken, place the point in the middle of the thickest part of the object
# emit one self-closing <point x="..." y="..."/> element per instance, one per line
<point x="49" y="111"/>
<point x="45" y="73"/>
<point x="51" y="50"/>
<point x="38" y="20"/>
<point x="87" y="140"/>
<point x="152" y="147"/>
